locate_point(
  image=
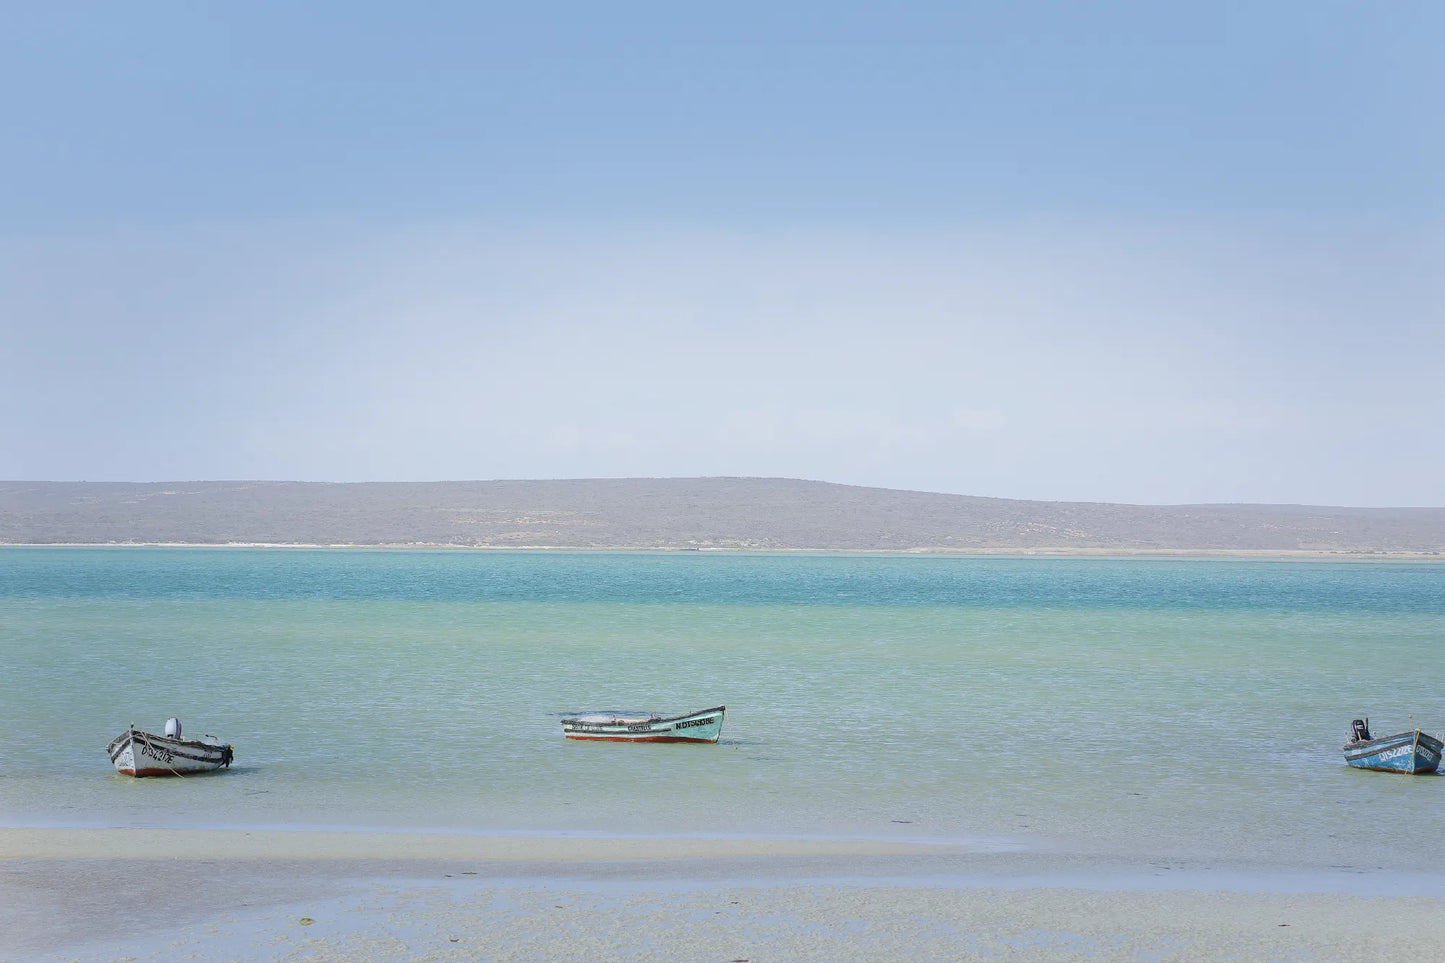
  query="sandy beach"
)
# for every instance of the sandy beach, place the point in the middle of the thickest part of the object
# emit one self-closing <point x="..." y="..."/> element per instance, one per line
<point x="164" y="895"/>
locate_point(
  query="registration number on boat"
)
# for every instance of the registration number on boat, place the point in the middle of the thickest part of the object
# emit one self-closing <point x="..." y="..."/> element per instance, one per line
<point x="158" y="754"/>
<point x="1399" y="751"/>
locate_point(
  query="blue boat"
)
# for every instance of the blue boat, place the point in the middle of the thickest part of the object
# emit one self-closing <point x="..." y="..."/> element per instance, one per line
<point x="1411" y="752"/>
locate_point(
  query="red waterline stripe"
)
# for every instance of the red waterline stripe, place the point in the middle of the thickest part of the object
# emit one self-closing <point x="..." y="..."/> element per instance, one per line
<point x="640" y="738"/>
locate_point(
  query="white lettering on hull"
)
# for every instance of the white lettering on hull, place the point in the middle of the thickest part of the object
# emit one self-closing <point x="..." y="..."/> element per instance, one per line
<point x="1399" y="751"/>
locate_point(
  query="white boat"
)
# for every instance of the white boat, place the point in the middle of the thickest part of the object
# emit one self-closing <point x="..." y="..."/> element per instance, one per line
<point x="136" y="752"/>
<point x="704" y="725"/>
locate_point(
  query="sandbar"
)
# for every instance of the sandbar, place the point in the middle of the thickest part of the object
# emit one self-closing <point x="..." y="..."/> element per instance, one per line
<point x="165" y="895"/>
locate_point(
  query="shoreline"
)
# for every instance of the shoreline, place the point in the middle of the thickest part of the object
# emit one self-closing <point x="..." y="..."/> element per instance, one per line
<point x="949" y="863"/>
<point x="1102" y="553"/>
<point x="99" y="894"/>
<point x="330" y="844"/>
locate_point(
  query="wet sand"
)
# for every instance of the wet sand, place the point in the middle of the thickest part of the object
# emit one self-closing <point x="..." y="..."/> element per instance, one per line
<point x="171" y="895"/>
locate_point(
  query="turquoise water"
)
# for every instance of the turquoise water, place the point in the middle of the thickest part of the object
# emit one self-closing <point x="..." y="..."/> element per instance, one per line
<point x="1154" y="707"/>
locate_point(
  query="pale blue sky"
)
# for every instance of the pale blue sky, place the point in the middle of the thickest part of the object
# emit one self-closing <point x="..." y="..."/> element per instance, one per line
<point x="1112" y="252"/>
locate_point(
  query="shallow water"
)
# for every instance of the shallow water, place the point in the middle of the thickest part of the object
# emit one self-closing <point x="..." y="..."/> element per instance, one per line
<point x="1161" y="707"/>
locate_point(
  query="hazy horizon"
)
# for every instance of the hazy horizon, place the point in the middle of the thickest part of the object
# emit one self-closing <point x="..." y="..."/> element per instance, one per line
<point x="1121" y="254"/>
<point x="681" y="478"/>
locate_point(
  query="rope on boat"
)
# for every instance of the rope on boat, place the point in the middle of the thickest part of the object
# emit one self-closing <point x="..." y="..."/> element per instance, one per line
<point x="227" y="752"/>
<point x="145" y="739"/>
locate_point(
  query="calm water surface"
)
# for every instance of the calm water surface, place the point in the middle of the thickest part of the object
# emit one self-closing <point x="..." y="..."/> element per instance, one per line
<point x="1160" y="707"/>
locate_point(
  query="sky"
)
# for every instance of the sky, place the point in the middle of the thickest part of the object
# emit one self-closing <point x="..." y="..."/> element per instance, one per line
<point x="1121" y="252"/>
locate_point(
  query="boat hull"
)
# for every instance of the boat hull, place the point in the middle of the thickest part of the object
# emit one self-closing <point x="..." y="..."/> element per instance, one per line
<point x="705" y="725"/>
<point x="1412" y="753"/>
<point x="136" y="752"/>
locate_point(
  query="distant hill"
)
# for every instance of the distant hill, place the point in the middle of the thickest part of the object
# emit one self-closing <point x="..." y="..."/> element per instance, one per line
<point x="682" y="513"/>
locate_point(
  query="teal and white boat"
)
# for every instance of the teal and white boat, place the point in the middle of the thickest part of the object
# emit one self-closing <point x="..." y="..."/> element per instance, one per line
<point x="704" y="725"/>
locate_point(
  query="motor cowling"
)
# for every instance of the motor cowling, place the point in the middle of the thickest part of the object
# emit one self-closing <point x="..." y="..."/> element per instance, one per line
<point x="173" y="728"/>
<point x="1361" y="730"/>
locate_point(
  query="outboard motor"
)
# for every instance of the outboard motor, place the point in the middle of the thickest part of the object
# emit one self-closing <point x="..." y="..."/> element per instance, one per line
<point x="1361" y="728"/>
<point x="173" y="728"/>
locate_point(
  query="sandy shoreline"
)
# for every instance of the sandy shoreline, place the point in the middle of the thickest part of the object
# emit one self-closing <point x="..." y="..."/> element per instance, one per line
<point x="1065" y="552"/>
<point x="264" y="844"/>
<point x="199" y="895"/>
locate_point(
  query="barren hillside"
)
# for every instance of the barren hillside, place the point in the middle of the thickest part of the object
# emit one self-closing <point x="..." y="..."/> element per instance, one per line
<point x="732" y="513"/>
